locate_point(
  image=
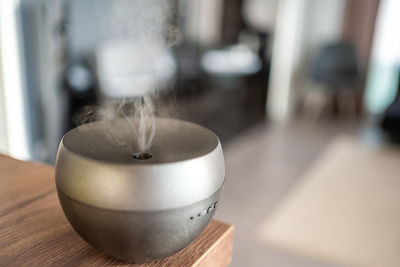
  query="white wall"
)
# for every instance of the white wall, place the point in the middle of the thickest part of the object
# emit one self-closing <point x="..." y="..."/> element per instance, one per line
<point x="3" y="122"/>
<point x="202" y="20"/>
<point x="302" y="27"/>
<point x="260" y="14"/>
<point x="13" y="105"/>
<point x="385" y="58"/>
<point x="285" y="56"/>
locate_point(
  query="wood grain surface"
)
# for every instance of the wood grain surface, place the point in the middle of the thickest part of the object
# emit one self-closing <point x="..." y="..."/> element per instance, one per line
<point x="35" y="232"/>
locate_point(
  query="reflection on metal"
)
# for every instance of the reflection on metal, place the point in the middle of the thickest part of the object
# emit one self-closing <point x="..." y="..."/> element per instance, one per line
<point x="139" y="210"/>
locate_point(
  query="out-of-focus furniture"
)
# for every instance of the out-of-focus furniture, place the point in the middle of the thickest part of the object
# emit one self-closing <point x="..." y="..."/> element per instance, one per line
<point x="336" y="65"/>
<point x="34" y="231"/>
<point x="337" y="68"/>
<point x="132" y="69"/>
<point x="233" y="61"/>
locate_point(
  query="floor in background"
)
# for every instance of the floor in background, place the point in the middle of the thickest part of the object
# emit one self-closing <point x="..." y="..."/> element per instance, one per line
<point x="262" y="165"/>
<point x="345" y="209"/>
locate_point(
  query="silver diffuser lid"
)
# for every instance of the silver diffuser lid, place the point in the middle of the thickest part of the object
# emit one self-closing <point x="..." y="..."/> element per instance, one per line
<point x="96" y="165"/>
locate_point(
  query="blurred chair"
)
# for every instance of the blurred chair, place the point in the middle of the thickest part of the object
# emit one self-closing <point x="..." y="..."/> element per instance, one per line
<point x="337" y="67"/>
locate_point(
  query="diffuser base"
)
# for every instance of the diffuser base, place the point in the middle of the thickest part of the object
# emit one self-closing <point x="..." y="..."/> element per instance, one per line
<point x="139" y="236"/>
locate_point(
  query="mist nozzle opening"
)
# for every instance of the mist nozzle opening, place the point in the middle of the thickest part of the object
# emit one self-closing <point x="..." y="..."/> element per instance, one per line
<point x="142" y="155"/>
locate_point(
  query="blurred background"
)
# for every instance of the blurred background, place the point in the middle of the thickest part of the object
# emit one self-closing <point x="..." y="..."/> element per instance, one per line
<point x="289" y="86"/>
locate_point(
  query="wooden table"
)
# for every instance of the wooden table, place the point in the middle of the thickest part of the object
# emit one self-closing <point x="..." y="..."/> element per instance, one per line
<point x="35" y="232"/>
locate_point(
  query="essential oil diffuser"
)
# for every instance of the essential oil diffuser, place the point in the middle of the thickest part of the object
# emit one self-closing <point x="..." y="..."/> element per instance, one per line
<point x="137" y="206"/>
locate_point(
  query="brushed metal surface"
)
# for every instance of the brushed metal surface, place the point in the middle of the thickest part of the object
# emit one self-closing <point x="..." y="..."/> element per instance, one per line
<point x="95" y="166"/>
<point x="139" y="210"/>
<point x="115" y="141"/>
<point x="138" y="236"/>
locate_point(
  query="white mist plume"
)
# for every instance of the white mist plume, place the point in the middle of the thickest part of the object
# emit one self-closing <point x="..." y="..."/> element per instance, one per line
<point x="142" y="122"/>
<point x="135" y="63"/>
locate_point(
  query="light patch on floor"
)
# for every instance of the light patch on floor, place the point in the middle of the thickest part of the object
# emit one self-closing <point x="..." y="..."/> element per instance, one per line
<point x="345" y="209"/>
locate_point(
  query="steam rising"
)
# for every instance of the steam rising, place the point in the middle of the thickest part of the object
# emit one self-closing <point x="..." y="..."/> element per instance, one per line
<point x="133" y="65"/>
<point x="143" y="122"/>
